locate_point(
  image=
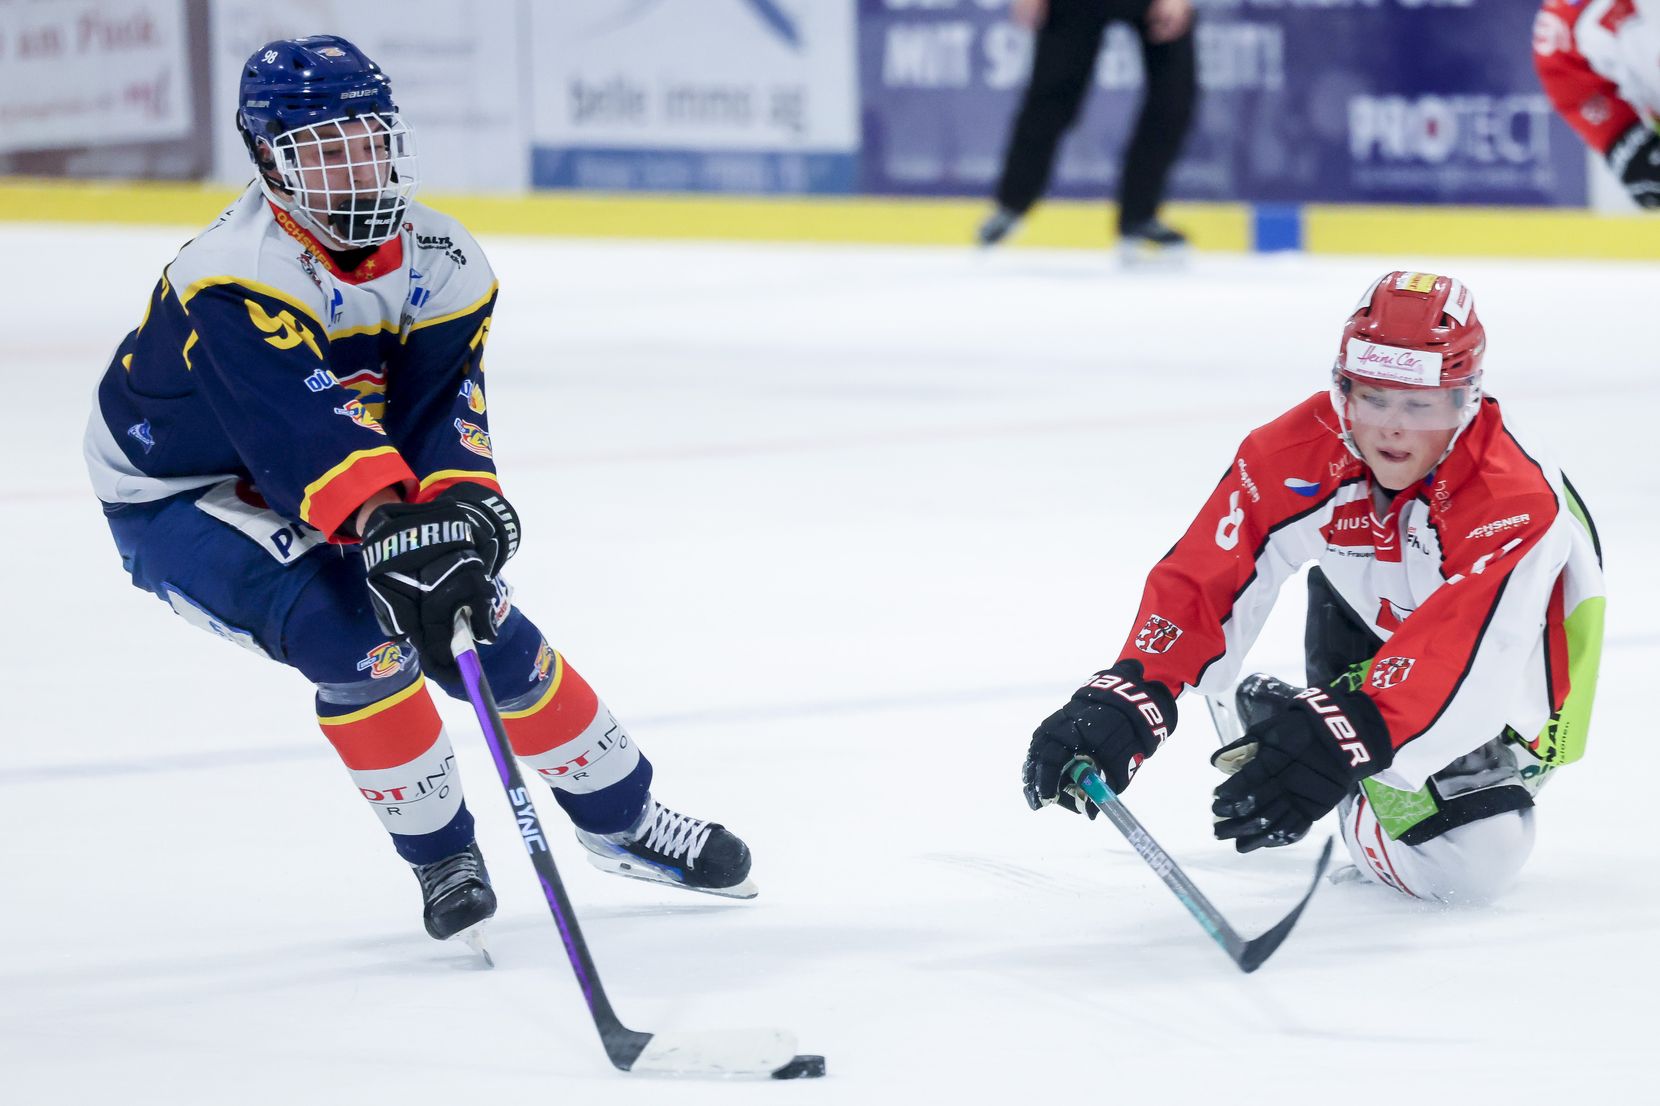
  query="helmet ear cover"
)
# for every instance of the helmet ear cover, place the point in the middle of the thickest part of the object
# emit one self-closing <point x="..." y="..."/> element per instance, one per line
<point x="260" y="151"/>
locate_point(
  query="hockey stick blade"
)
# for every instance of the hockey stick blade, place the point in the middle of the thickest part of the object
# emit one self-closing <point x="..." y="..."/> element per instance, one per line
<point x="1248" y="955"/>
<point x="731" y="1052"/>
<point x="1257" y="950"/>
<point x="754" y="1052"/>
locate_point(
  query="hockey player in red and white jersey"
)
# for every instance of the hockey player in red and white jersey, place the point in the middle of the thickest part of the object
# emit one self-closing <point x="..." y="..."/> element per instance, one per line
<point x="1454" y="621"/>
<point x="1599" y="61"/>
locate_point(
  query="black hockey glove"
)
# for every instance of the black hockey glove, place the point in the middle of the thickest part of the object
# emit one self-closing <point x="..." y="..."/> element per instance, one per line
<point x="1293" y="768"/>
<point x="1118" y="720"/>
<point x="1635" y="159"/>
<point x="495" y="523"/>
<point x="424" y="566"/>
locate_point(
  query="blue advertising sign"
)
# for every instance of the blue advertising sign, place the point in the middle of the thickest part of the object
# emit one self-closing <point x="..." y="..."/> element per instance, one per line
<point x="1370" y="101"/>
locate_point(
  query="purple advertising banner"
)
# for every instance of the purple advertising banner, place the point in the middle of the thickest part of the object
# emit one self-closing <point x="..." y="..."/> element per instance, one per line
<point x="1366" y="101"/>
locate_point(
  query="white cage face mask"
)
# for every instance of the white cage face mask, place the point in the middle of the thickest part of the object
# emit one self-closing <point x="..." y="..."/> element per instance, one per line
<point x="349" y="178"/>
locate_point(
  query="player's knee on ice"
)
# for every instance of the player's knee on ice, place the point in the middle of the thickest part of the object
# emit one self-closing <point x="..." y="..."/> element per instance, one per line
<point x="1468" y="865"/>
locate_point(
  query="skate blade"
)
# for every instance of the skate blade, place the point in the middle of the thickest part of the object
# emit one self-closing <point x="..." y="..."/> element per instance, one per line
<point x="1154" y="258"/>
<point x="473" y="938"/>
<point x="632" y="868"/>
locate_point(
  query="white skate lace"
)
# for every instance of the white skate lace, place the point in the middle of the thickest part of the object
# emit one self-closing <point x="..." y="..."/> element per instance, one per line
<point x="440" y="878"/>
<point x="673" y="834"/>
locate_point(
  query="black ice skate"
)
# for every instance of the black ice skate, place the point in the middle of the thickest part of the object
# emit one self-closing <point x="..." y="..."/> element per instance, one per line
<point x="997" y="226"/>
<point x="457" y="895"/>
<point x="666" y="847"/>
<point x="1152" y="242"/>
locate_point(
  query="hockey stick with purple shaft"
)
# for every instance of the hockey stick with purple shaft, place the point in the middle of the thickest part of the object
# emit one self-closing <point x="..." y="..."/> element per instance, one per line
<point x="752" y="1052"/>
<point x="1249" y="955"/>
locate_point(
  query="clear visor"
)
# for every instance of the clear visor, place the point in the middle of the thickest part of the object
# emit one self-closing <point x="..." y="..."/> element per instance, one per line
<point x="352" y="177"/>
<point x="1397" y="407"/>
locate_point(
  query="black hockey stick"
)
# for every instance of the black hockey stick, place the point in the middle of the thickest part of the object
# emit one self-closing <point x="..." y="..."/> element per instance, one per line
<point x="756" y="1052"/>
<point x="1249" y="955"/>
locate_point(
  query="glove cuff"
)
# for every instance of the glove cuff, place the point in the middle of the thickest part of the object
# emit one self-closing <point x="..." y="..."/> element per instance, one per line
<point x="1627" y="147"/>
<point x="1147" y="703"/>
<point x="1351" y="727"/>
<point x="492" y="509"/>
<point x="395" y="529"/>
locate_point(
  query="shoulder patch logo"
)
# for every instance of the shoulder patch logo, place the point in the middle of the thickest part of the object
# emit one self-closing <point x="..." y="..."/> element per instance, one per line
<point x="1309" y="488"/>
<point x="140" y="433"/>
<point x="285" y="331"/>
<point x="1389" y="672"/>
<point x="1157" y="635"/>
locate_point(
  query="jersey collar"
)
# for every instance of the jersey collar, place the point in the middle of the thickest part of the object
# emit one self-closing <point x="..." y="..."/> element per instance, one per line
<point x="387" y="258"/>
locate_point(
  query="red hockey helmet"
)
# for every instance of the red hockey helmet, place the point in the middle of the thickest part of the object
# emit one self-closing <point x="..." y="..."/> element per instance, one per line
<point x="1412" y="333"/>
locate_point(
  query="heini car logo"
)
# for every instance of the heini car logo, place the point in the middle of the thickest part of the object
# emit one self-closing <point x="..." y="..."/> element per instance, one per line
<point x="1404" y="366"/>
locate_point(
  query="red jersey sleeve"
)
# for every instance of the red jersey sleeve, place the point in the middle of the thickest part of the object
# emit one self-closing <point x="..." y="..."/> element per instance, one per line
<point x="1205" y="602"/>
<point x="1589" y="101"/>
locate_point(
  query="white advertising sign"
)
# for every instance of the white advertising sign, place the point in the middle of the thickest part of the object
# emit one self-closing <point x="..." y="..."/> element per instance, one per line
<point x="455" y="69"/>
<point x="91" y="73"/>
<point x="744" y="95"/>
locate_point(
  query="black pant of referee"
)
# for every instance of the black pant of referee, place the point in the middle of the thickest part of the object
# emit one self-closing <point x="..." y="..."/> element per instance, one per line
<point x="1069" y="35"/>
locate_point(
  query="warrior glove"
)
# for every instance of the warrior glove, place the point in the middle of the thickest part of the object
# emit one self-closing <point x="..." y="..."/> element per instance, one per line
<point x="1294" y="767"/>
<point x="1117" y="720"/>
<point x="424" y="566"/>
<point x="495" y="523"/>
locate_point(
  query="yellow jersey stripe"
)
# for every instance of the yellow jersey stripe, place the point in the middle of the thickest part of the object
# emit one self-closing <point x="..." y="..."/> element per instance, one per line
<point x="547" y="695"/>
<point x="251" y="286"/>
<point x="316" y="487"/>
<point x="373" y="708"/>
<point x="457" y="474"/>
<point x="372" y="328"/>
<point x="463" y="313"/>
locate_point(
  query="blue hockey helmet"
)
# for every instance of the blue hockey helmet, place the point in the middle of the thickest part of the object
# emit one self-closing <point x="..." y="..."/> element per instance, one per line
<point x="320" y="123"/>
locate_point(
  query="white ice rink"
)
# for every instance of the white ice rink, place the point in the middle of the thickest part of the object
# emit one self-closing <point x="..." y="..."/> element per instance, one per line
<point x="831" y="530"/>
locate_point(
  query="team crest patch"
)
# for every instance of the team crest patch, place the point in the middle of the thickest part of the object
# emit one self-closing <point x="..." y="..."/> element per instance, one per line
<point x="358" y="413"/>
<point x="473" y="392"/>
<point x="1157" y="635"/>
<point x="474" y="438"/>
<point x="543" y="667"/>
<point x="1390" y="671"/>
<point x="385" y="659"/>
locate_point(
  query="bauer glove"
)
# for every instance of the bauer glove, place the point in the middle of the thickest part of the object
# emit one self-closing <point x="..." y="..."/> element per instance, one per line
<point x="1635" y="159"/>
<point x="1294" y="767"/>
<point x="1117" y="720"/>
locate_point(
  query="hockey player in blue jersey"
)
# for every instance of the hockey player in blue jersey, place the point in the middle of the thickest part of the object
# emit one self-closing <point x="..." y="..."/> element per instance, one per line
<point x="293" y="451"/>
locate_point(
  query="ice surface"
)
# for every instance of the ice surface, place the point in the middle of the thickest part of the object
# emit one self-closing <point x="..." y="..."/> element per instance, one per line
<point x="831" y="530"/>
